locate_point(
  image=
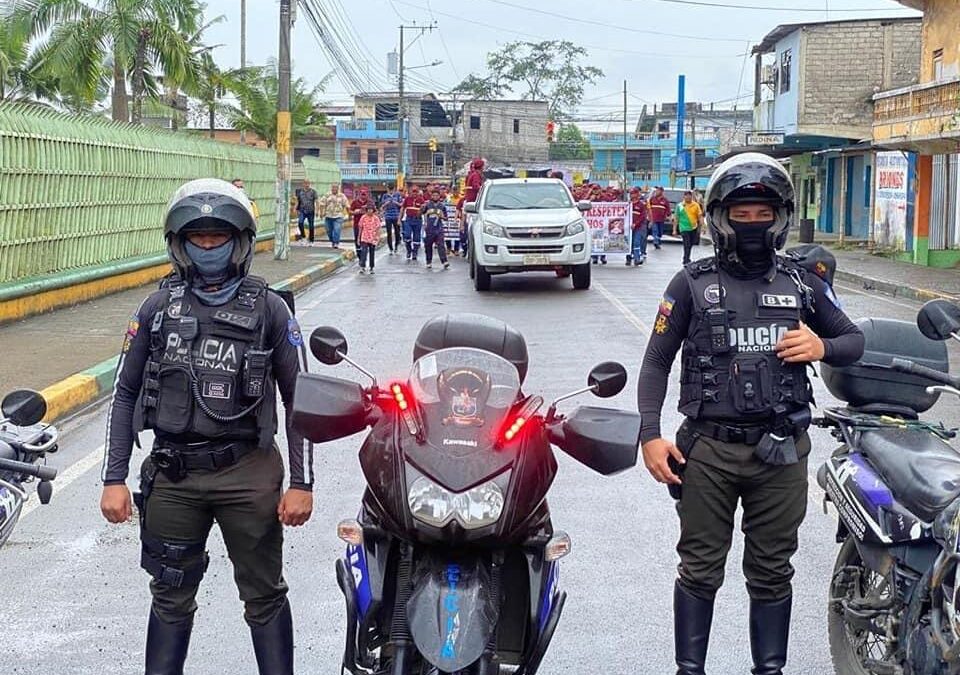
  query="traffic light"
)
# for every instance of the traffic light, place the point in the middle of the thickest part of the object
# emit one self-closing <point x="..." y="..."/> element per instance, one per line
<point x="551" y="128"/>
<point x="432" y="144"/>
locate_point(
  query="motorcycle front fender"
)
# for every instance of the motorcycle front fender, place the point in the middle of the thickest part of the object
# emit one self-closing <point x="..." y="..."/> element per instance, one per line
<point x="452" y="612"/>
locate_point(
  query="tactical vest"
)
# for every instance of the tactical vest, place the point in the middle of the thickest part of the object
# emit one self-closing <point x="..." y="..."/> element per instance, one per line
<point x="229" y="393"/>
<point x="730" y="369"/>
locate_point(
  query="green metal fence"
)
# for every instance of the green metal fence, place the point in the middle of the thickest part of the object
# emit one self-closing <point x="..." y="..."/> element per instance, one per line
<point x="320" y="172"/>
<point x="82" y="191"/>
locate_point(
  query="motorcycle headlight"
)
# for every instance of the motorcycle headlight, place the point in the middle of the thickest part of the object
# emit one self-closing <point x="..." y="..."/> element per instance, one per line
<point x="437" y="506"/>
<point x="576" y="227"/>
<point x="492" y="229"/>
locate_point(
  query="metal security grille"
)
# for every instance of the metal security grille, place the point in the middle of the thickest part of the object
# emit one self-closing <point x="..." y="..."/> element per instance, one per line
<point x="944" y="232"/>
<point x="82" y="191"/>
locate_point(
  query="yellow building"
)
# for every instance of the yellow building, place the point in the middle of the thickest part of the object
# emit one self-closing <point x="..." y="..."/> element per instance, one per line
<point x="925" y="119"/>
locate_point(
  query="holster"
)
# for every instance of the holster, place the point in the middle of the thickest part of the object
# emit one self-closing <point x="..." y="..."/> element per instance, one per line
<point x="686" y="439"/>
<point x="778" y="447"/>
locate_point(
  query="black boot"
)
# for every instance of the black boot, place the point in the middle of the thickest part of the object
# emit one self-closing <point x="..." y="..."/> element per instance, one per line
<point x="692" y="617"/>
<point x="167" y="645"/>
<point x="273" y="643"/>
<point x="769" y="633"/>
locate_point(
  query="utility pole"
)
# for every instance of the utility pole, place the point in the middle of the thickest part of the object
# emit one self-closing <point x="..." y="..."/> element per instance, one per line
<point x="401" y="108"/>
<point x="243" y="51"/>
<point x="401" y="118"/>
<point x="624" y="136"/>
<point x="693" y="151"/>
<point x="281" y="237"/>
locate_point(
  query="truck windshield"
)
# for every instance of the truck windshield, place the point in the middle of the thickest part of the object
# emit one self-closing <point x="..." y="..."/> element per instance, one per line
<point x="527" y="196"/>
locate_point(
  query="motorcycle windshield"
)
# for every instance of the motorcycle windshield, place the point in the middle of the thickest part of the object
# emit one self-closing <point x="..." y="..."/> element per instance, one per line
<point x="464" y="396"/>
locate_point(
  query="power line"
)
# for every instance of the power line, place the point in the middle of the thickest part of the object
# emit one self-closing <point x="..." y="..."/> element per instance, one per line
<point x="504" y="29"/>
<point x="613" y="26"/>
<point x="727" y="5"/>
<point x="444" y="43"/>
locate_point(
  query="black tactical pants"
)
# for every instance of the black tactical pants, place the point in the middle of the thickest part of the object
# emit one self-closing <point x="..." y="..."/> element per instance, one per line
<point x="243" y="500"/>
<point x="774" y="498"/>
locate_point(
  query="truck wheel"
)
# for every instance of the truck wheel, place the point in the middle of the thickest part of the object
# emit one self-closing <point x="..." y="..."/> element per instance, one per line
<point x="481" y="277"/>
<point x="581" y="277"/>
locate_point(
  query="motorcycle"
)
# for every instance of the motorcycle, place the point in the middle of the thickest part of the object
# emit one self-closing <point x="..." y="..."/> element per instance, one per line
<point x="451" y="566"/>
<point x="894" y="603"/>
<point x="24" y="443"/>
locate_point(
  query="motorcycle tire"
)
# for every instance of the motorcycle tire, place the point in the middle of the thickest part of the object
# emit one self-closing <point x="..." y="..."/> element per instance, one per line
<point x="9" y="527"/>
<point x="850" y="646"/>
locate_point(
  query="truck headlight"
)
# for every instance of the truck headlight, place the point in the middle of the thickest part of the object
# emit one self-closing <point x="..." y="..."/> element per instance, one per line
<point x="492" y="229"/>
<point x="576" y="227"/>
<point x="437" y="506"/>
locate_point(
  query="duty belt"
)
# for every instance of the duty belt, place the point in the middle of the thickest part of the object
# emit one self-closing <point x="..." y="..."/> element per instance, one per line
<point x="208" y="455"/>
<point x="726" y="433"/>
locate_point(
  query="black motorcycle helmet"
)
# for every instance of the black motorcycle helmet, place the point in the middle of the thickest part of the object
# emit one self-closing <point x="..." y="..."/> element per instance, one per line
<point x="210" y="205"/>
<point x="749" y="178"/>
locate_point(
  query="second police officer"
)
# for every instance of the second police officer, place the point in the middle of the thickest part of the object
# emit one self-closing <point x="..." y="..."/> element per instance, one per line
<point x="749" y="323"/>
<point x="202" y="360"/>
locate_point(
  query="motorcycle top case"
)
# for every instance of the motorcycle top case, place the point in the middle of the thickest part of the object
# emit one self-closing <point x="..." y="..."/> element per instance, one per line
<point x="886" y="339"/>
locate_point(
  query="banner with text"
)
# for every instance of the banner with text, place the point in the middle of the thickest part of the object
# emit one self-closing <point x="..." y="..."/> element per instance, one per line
<point x="891" y="198"/>
<point x="609" y="224"/>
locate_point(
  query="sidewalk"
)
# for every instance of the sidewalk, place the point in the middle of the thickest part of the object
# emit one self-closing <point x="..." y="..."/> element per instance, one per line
<point x="53" y="349"/>
<point x="859" y="267"/>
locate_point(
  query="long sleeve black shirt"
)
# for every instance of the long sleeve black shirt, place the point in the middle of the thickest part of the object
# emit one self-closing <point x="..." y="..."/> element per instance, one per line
<point x="289" y="359"/>
<point x="843" y="344"/>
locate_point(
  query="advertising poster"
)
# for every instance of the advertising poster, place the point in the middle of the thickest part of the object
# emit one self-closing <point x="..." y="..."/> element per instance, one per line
<point x="890" y="210"/>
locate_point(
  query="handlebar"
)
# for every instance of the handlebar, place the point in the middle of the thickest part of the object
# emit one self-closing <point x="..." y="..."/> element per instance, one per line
<point x="41" y="471"/>
<point x="911" y="368"/>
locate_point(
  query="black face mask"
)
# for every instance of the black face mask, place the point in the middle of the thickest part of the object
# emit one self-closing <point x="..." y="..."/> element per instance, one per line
<point x="752" y="238"/>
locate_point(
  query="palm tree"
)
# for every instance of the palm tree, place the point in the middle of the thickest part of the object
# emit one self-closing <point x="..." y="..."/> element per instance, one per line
<point x="213" y="85"/>
<point x="257" y="89"/>
<point x="134" y="36"/>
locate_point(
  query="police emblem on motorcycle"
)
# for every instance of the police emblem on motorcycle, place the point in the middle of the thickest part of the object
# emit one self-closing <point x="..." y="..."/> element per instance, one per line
<point x="464" y="405"/>
<point x="294" y="336"/>
<point x="712" y="294"/>
<point x="466" y="390"/>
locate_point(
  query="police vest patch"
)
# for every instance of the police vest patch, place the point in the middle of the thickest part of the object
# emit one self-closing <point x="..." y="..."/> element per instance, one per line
<point x="294" y="336"/>
<point x="771" y="300"/>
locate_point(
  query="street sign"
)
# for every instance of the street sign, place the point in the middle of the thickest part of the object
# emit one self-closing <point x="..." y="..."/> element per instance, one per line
<point x="765" y="138"/>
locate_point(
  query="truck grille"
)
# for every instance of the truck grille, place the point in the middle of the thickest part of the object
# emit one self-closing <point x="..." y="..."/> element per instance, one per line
<point x="534" y="250"/>
<point x="534" y="232"/>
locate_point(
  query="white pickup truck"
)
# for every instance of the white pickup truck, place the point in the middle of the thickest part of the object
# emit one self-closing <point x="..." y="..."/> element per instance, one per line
<point x="528" y="225"/>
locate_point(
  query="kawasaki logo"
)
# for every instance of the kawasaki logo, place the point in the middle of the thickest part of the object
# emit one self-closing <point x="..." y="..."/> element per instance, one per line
<point x="757" y="338"/>
<point x="459" y="441"/>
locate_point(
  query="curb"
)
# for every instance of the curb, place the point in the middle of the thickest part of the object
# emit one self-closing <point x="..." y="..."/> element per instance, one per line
<point x="894" y="289"/>
<point x="83" y="388"/>
<point x="35" y="297"/>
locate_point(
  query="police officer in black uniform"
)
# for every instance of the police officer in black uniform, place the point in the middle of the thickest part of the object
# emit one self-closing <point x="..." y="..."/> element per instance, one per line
<point x="202" y="360"/>
<point x="750" y="322"/>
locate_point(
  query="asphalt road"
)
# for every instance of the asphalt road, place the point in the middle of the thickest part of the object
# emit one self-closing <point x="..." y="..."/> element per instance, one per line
<point x="73" y="599"/>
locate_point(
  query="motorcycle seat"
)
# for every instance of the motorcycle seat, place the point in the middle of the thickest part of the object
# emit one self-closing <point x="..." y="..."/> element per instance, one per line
<point x="921" y="470"/>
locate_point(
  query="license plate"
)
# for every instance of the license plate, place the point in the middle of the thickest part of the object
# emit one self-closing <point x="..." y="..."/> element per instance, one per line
<point x="536" y="260"/>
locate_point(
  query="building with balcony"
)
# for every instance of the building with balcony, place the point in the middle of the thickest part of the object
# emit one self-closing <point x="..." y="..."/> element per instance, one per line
<point x="651" y="156"/>
<point x="812" y="107"/>
<point x="924" y="118"/>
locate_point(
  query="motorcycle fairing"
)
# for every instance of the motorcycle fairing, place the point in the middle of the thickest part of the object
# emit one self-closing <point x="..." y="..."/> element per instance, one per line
<point x="356" y="558"/>
<point x="10" y="505"/>
<point x="550" y="592"/>
<point x="866" y="505"/>
<point x="452" y="612"/>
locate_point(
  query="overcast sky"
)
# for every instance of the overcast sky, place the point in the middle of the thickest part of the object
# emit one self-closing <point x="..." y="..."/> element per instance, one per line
<point x="646" y="42"/>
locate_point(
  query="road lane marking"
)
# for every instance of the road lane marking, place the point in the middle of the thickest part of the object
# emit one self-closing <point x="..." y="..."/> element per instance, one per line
<point x="67" y="476"/>
<point x="333" y="288"/>
<point x="622" y="308"/>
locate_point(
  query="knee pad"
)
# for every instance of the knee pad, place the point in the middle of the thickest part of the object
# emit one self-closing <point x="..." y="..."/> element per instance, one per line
<point x="169" y="562"/>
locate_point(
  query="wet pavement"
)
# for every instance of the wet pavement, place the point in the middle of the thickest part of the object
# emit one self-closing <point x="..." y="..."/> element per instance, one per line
<point x="76" y="601"/>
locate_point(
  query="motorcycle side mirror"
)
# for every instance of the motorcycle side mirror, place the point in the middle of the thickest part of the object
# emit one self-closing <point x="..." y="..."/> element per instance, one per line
<point x="603" y="439"/>
<point x="607" y="379"/>
<point x="328" y="344"/>
<point x="328" y="408"/>
<point x="939" y="319"/>
<point x="24" y="407"/>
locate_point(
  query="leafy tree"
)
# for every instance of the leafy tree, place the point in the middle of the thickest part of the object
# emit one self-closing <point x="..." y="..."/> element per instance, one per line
<point x="551" y="71"/>
<point x="257" y="89"/>
<point x="83" y="40"/>
<point x="570" y="144"/>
